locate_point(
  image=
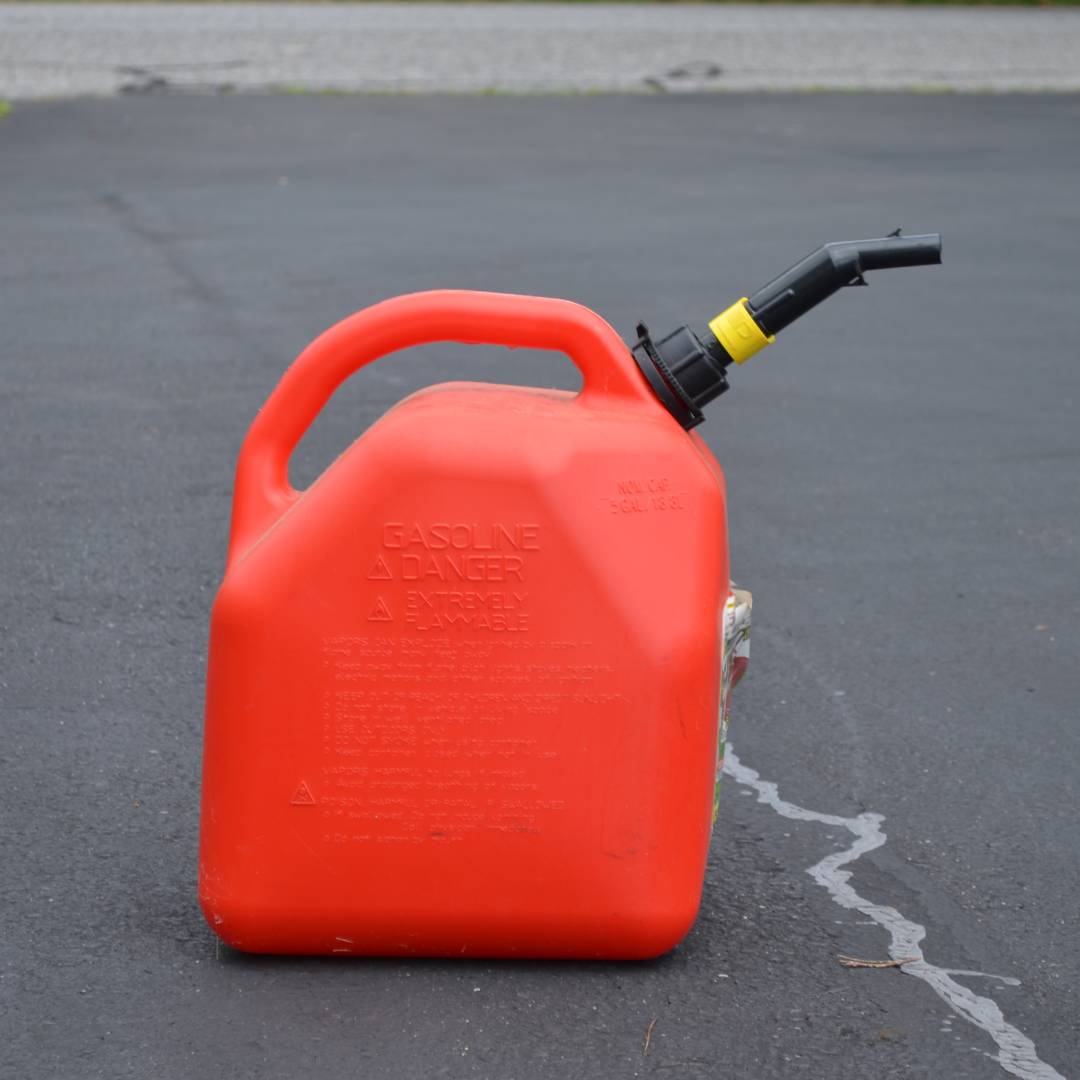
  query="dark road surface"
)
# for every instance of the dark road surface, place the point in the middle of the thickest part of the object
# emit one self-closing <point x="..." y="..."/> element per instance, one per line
<point x="905" y="497"/>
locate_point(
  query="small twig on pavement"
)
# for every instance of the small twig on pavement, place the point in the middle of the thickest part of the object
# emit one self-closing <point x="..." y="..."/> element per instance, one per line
<point x="855" y="962"/>
<point x="648" y="1036"/>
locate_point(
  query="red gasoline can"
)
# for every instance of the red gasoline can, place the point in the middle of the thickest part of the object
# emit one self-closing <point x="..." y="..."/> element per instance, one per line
<point x="466" y="693"/>
<point x="463" y="692"/>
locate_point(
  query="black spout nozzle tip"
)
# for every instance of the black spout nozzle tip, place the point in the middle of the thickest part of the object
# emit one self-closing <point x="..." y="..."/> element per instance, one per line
<point x="894" y="251"/>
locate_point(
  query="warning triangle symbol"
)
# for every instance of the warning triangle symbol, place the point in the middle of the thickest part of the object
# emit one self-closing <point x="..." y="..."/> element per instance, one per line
<point x="380" y="612"/>
<point x="303" y="796"/>
<point x="380" y="571"/>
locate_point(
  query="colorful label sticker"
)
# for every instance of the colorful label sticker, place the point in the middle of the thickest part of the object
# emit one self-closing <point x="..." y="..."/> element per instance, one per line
<point x="736" y="655"/>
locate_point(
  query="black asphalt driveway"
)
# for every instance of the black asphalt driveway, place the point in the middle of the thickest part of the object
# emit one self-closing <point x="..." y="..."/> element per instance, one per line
<point x="904" y="475"/>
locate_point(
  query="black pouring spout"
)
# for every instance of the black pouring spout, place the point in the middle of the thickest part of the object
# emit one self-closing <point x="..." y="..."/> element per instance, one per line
<point x="830" y="268"/>
<point x="687" y="370"/>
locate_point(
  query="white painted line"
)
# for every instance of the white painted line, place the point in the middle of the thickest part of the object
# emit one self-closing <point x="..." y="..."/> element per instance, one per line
<point x="1016" y="1052"/>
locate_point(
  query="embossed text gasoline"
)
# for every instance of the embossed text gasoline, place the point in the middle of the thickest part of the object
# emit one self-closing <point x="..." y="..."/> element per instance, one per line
<point x="462" y="536"/>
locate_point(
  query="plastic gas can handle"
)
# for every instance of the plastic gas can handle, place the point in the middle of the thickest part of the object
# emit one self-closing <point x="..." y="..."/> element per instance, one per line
<point x="263" y="492"/>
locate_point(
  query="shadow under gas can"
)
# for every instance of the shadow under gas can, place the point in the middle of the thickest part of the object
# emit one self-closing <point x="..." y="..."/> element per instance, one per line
<point x="463" y="691"/>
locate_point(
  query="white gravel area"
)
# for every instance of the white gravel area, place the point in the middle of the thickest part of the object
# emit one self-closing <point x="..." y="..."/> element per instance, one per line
<point x="67" y="50"/>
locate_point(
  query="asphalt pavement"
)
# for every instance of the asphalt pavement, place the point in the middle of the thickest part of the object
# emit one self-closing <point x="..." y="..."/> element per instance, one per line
<point x="50" y="50"/>
<point x="904" y="501"/>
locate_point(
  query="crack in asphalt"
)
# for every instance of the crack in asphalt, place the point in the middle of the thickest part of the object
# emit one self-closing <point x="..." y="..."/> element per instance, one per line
<point x="133" y="219"/>
<point x="1016" y="1052"/>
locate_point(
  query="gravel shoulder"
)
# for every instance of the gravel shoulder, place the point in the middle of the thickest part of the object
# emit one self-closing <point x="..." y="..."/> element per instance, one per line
<point x="52" y="50"/>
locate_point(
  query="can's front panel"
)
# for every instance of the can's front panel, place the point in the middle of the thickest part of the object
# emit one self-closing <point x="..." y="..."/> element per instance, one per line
<point x="450" y="711"/>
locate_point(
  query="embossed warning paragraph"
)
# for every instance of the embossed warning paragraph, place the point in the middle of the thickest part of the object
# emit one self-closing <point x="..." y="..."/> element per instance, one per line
<point x="431" y="738"/>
